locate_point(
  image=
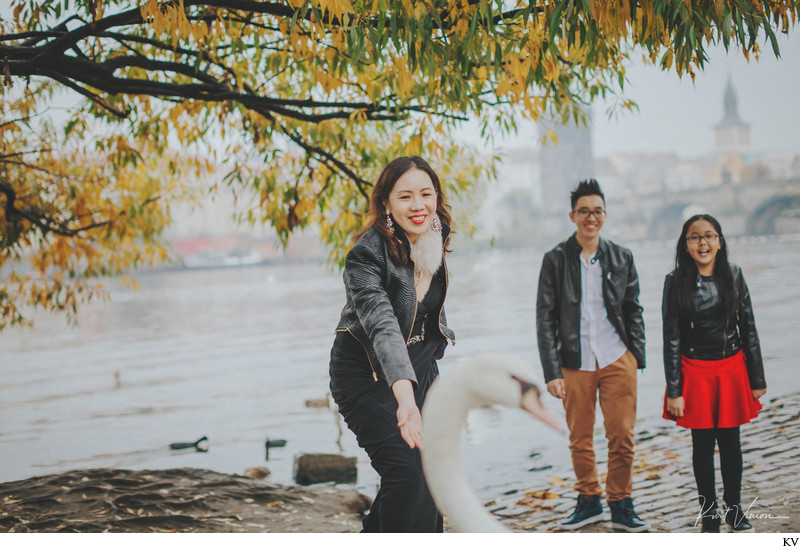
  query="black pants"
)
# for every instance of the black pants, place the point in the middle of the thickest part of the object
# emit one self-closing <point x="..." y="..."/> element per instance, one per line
<point x="403" y="502"/>
<point x="730" y="458"/>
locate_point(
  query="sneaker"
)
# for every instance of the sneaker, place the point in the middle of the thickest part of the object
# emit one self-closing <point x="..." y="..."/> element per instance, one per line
<point x="736" y="519"/>
<point x="623" y="517"/>
<point x="588" y="511"/>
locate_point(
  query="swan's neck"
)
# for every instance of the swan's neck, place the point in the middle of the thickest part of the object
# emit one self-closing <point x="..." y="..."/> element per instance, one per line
<point x="445" y="414"/>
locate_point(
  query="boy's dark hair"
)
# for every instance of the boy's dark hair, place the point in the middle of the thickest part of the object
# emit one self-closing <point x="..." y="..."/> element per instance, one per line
<point x="586" y="187"/>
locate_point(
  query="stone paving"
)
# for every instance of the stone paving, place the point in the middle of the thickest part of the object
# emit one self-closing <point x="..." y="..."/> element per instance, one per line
<point x="663" y="483"/>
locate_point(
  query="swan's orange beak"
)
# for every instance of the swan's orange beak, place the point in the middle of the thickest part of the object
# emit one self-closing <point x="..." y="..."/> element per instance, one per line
<point x="532" y="403"/>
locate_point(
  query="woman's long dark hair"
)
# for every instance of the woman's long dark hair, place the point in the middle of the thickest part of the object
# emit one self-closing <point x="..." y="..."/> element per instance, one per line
<point x="397" y="241"/>
<point x="686" y="270"/>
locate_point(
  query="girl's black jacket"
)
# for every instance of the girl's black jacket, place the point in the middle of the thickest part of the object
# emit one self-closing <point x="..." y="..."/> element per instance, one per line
<point x="703" y="332"/>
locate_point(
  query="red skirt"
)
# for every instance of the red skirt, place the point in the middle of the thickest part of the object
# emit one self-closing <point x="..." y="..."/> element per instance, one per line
<point x="716" y="394"/>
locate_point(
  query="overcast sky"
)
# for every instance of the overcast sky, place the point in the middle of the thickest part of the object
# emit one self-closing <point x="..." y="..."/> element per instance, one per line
<point x="677" y="116"/>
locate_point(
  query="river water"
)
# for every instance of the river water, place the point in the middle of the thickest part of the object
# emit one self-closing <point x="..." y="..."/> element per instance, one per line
<point x="234" y="354"/>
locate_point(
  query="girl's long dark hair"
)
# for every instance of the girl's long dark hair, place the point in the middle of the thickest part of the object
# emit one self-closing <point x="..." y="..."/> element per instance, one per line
<point x="686" y="271"/>
<point x="397" y="241"/>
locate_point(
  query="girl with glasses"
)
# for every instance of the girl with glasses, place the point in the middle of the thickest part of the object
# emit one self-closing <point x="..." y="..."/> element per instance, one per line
<point x="712" y="362"/>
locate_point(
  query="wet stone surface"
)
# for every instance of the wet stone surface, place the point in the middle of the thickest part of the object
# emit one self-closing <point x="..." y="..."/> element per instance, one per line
<point x="664" y="490"/>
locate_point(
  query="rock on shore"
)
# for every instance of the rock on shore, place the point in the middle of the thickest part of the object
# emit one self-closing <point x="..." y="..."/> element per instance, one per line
<point x="173" y="500"/>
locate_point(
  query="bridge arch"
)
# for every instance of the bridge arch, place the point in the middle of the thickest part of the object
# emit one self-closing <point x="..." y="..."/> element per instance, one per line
<point x="667" y="221"/>
<point x="762" y="219"/>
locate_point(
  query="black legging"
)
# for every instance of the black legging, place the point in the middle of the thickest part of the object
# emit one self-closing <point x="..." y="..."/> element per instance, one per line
<point x="730" y="458"/>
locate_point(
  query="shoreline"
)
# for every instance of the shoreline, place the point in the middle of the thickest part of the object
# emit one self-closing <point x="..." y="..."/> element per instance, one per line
<point x="198" y="500"/>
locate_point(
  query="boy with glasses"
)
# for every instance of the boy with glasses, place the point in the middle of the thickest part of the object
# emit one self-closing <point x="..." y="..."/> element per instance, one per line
<point x="591" y="341"/>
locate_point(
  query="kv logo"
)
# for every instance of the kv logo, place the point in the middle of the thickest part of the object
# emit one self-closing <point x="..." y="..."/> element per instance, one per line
<point x="790" y="542"/>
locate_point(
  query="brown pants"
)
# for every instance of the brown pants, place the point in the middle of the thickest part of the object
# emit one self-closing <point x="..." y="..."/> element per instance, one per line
<point x="616" y="384"/>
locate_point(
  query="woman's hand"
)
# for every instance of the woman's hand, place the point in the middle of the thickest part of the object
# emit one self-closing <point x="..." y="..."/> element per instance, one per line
<point x="758" y="393"/>
<point x="408" y="416"/>
<point x="675" y="406"/>
<point x="410" y="422"/>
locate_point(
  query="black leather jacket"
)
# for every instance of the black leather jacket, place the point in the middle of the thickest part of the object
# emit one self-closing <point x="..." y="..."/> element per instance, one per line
<point x="381" y="306"/>
<point x="703" y="333"/>
<point x="558" y="304"/>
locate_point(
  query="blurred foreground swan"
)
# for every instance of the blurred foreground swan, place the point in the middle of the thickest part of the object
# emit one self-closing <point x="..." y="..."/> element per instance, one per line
<point x="481" y="380"/>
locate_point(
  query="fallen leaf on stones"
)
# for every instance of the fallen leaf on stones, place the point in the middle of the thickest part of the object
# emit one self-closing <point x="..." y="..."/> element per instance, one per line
<point x="544" y="494"/>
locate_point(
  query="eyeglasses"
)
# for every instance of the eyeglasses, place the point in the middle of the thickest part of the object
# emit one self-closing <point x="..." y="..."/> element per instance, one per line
<point x="585" y="213"/>
<point x="694" y="239"/>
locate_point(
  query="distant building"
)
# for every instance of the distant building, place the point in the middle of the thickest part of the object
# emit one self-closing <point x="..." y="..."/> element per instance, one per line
<point x="733" y="163"/>
<point x="621" y="175"/>
<point x="731" y="134"/>
<point x="520" y="171"/>
<point x="562" y="165"/>
<point x="686" y="174"/>
<point x="649" y="194"/>
<point x="516" y="188"/>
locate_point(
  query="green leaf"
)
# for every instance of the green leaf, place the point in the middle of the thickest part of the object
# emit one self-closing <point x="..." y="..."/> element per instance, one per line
<point x="773" y="40"/>
<point x="473" y="26"/>
<point x="555" y="20"/>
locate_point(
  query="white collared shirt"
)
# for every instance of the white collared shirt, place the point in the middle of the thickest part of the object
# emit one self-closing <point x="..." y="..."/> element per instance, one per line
<point x="601" y="345"/>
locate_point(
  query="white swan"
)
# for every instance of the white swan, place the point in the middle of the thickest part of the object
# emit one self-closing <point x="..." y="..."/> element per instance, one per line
<point x="481" y="380"/>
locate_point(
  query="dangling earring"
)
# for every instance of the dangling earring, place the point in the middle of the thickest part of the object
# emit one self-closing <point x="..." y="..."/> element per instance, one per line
<point x="389" y="223"/>
<point x="436" y="224"/>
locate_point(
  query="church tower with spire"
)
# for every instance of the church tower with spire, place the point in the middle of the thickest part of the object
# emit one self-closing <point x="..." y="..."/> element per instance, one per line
<point x="732" y="134"/>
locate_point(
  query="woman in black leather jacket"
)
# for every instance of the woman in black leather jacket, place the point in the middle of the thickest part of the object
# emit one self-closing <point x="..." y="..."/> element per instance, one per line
<point x="712" y="363"/>
<point x="390" y="334"/>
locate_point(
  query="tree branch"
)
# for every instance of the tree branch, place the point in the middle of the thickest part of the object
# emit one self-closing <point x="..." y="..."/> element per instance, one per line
<point x="48" y="224"/>
<point x="105" y="104"/>
<point x="328" y="159"/>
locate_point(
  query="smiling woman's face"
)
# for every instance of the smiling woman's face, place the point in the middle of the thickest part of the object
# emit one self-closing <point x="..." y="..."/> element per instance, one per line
<point x="412" y="203"/>
<point x="703" y="251"/>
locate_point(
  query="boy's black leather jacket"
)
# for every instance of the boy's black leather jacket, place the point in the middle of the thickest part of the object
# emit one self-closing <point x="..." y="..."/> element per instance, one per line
<point x="381" y="306"/>
<point x="704" y="333"/>
<point x="558" y="304"/>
